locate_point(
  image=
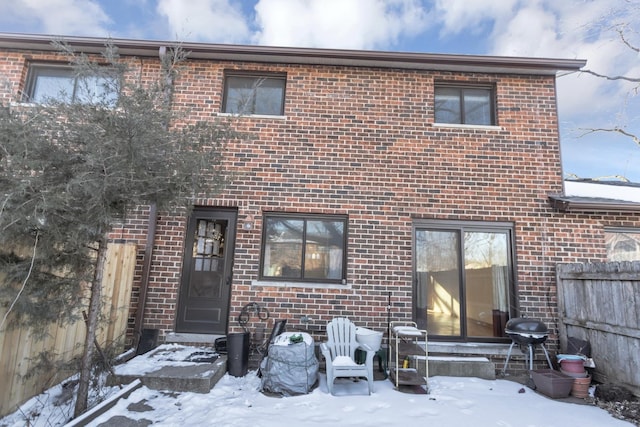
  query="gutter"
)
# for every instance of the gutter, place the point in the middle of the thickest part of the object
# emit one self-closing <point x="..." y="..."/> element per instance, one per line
<point x="582" y="204"/>
<point x="314" y="56"/>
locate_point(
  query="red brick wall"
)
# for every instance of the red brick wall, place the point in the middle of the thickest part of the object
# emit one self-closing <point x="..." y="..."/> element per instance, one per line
<point x="361" y="142"/>
<point x="12" y="76"/>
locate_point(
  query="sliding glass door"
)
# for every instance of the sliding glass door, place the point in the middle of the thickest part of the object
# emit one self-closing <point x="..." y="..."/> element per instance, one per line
<point x="463" y="284"/>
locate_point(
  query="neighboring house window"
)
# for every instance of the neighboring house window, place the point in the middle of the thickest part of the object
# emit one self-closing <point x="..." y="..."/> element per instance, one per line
<point x="623" y="244"/>
<point x="464" y="287"/>
<point x="254" y="94"/>
<point x="464" y="105"/>
<point x="46" y="83"/>
<point x="308" y="248"/>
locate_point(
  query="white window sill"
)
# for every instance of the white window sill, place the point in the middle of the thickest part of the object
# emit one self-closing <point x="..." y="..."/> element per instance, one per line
<point x="253" y="116"/>
<point x="23" y="104"/>
<point x="256" y="283"/>
<point x="458" y="126"/>
<point x="36" y="104"/>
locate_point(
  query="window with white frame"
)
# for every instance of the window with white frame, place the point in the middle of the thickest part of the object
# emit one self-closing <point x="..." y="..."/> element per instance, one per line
<point x="59" y="83"/>
<point x="254" y="94"/>
<point x="304" y="248"/>
<point x="468" y="105"/>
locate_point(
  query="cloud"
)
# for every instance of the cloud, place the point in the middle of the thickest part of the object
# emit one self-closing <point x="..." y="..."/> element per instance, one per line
<point x="355" y="24"/>
<point x="215" y="21"/>
<point x="583" y="29"/>
<point x="458" y="16"/>
<point x="59" y="17"/>
<point x="600" y="156"/>
<point x="600" y="102"/>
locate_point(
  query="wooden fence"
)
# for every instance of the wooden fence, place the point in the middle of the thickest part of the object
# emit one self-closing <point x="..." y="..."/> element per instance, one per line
<point x="600" y="303"/>
<point x="19" y="349"/>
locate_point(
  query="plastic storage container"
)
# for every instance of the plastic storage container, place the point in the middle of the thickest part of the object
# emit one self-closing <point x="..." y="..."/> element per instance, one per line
<point x="552" y="383"/>
<point x="369" y="337"/>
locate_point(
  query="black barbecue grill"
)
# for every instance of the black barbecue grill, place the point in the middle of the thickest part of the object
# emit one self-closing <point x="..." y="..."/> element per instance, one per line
<point x="526" y="333"/>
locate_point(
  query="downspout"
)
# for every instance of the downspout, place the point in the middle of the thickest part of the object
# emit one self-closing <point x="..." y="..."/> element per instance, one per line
<point x="146" y="268"/>
<point x="153" y="214"/>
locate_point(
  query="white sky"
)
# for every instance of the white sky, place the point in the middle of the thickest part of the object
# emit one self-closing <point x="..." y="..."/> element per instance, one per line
<point x="582" y="29"/>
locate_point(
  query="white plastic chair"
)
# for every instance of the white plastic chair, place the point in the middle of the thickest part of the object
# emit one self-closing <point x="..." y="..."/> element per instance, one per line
<point x="339" y="353"/>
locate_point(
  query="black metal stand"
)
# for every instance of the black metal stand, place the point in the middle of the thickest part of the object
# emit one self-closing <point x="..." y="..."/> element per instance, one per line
<point x="530" y="353"/>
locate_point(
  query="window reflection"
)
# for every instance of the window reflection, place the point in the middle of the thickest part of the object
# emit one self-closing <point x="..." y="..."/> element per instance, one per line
<point x="463" y="282"/>
<point x="304" y="248"/>
<point x="464" y="105"/>
<point x="254" y="95"/>
<point x="59" y="83"/>
<point x="623" y="245"/>
<point x="208" y="245"/>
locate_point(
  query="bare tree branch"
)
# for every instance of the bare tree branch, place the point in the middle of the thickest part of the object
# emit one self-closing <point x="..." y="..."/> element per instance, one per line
<point x="608" y="177"/>
<point x="574" y="177"/>
<point x="621" y="131"/>
<point x="621" y="34"/>
<point x="24" y="282"/>
<point x="626" y="42"/>
<point x="604" y="76"/>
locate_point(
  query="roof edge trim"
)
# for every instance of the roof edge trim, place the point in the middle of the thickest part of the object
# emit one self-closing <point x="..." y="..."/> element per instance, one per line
<point x="455" y="62"/>
<point x="567" y="204"/>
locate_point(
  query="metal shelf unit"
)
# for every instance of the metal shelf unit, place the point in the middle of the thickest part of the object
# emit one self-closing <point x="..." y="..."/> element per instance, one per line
<point x="405" y="342"/>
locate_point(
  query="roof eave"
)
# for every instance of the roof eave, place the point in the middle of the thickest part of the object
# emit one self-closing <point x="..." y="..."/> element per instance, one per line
<point x="568" y="204"/>
<point x="314" y="56"/>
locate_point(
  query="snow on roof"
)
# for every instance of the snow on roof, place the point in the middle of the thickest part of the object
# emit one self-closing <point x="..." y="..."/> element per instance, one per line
<point x="615" y="190"/>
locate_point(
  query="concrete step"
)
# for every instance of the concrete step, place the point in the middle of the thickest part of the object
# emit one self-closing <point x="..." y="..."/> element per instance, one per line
<point x="159" y="371"/>
<point x="457" y="366"/>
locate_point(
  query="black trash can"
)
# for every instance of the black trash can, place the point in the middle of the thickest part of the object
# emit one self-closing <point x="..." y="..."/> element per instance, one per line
<point x="238" y="354"/>
<point x="148" y="341"/>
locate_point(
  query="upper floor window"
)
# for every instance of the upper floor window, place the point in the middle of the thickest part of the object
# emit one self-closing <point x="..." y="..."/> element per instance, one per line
<point x="309" y="248"/>
<point x="254" y="94"/>
<point x="47" y="83"/>
<point x="469" y="105"/>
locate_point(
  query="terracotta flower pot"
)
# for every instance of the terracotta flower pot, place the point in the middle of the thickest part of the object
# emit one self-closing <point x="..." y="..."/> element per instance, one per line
<point x="580" y="387"/>
<point x="576" y="366"/>
<point x="571" y="363"/>
<point x="582" y="374"/>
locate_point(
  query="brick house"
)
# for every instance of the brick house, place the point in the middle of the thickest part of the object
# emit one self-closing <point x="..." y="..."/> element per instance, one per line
<point x="379" y="185"/>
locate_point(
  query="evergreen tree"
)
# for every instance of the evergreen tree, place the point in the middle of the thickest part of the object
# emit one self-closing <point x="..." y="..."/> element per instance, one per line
<point x="70" y="169"/>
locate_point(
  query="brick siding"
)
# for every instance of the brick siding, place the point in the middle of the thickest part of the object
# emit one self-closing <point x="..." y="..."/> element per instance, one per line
<point x="361" y="142"/>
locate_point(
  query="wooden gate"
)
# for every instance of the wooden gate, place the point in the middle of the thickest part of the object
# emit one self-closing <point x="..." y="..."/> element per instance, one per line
<point x="600" y="303"/>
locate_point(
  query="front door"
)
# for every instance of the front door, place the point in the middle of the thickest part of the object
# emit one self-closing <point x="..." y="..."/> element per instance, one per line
<point x="203" y="304"/>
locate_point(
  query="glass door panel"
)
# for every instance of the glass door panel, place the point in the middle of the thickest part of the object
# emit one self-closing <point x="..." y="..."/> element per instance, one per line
<point x="486" y="275"/>
<point x="438" y="282"/>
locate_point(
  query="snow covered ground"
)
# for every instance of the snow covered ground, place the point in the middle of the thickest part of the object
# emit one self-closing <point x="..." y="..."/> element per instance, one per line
<point x="234" y="401"/>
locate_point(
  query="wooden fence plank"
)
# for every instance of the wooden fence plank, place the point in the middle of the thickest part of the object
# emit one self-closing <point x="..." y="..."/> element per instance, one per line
<point x="9" y="362"/>
<point x="603" y="327"/>
<point x="597" y="276"/>
<point x="561" y="287"/>
<point x="121" y="290"/>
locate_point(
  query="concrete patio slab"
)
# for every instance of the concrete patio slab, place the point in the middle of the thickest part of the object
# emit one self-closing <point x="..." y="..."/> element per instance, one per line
<point x="175" y="368"/>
